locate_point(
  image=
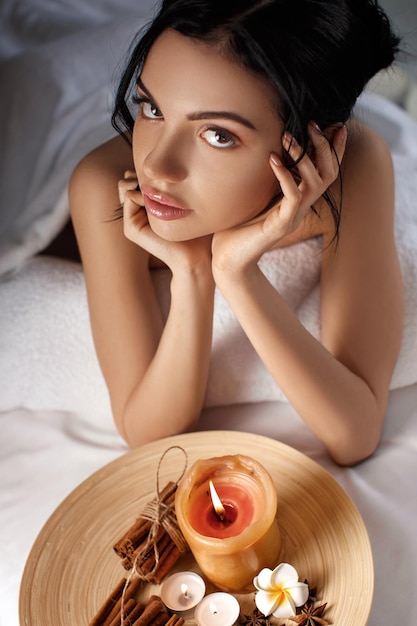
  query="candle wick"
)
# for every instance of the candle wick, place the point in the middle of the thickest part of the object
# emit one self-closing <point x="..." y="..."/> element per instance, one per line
<point x="218" y="507"/>
<point x="186" y="592"/>
<point x="213" y="608"/>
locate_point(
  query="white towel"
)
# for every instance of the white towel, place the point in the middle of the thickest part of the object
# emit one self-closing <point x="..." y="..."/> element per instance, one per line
<point x="236" y="370"/>
<point x="47" y="358"/>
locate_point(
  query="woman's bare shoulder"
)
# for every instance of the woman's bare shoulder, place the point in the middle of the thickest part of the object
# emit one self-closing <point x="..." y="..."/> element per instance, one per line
<point x="94" y="182"/>
<point x="367" y="154"/>
<point x="110" y="159"/>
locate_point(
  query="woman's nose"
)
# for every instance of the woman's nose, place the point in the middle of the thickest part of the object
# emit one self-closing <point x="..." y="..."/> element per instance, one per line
<point x="166" y="160"/>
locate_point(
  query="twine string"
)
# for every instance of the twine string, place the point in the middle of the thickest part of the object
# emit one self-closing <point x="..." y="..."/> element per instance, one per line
<point x="159" y="514"/>
<point x="158" y="491"/>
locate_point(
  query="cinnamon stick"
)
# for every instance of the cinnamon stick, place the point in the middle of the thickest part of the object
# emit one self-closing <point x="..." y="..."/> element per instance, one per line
<point x="162" y="544"/>
<point x="131" y="590"/>
<point x="175" y="620"/>
<point x="127" y="563"/>
<point x="153" y="607"/>
<point x="127" y="610"/>
<point x="133" y="537"/>
<point x="161" y="619"/>
<point x="108" y="604"/>
<point x="166" y="562"/>
<point x="149" y="557"/>
<point x="133" y="616"/>
<point x="130" y="548"/>
<point x="140" y="528"/>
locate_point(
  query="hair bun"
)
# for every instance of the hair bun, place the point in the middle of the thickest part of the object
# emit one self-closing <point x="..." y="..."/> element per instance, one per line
<point x="383" y="43"/>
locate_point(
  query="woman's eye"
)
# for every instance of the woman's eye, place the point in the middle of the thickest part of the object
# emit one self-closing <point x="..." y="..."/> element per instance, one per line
<point x="150" y="111"/>
<point x="219" y="138"/>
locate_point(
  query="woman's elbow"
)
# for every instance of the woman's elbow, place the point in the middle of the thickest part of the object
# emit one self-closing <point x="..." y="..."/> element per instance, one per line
<point x="352" y="448"/>
<point x="136" y="432"/>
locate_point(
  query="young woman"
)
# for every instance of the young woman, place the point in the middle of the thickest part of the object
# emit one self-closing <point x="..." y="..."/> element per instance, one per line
<point x="236" y="138"/>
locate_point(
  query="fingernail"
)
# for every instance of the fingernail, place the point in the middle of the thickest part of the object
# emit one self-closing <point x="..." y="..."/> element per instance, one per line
<point x="343" y="133"/>
<point x="275" y="159"/>
<point x="315" y="126"/>
<point x="288" y="141"/>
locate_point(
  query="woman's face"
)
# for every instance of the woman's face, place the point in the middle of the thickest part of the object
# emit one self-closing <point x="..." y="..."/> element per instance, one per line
<point x="202" y="140"/>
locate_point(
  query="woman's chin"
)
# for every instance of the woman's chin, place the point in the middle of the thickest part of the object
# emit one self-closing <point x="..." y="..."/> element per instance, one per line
<point x="172" y="232"/>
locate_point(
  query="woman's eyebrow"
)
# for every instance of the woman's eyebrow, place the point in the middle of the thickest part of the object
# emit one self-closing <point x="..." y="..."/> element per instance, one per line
<point x="141" y="86"/>
<point x="228" y="115"/>
<point x="204" y="115"/>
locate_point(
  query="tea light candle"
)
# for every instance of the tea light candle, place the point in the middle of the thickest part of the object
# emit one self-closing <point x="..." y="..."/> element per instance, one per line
<point x="233" y="544"/>
<point x="217" y="609"/>
<point x="182" y="591"/>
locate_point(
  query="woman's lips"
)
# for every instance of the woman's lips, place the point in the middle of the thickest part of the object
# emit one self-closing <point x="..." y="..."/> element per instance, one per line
<point x="161" y="206"/>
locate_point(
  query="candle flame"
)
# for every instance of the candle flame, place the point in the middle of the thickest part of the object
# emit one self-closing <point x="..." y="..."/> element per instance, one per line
<point x="184" y="590"/>
<point x="217" y="503"/>
<point x="213" y="608"/>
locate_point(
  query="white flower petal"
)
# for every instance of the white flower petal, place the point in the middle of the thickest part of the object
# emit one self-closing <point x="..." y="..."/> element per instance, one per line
<point x="284" y="574"/>
<point x="267" y="602"/>
<point x="285" y="608"/>
<point x="263" y="579"/>
<point x="298" y="593"/>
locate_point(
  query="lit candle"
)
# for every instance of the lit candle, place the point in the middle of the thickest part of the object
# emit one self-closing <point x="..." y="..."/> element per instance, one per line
<point x="182" y="591"/>
<point x="217" y="609"/>
<point x="230" y="545"/>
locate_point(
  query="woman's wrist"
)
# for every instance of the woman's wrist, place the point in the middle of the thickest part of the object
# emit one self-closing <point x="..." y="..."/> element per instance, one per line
<point x="193" y="281"/>
<point x="234" y="274"/>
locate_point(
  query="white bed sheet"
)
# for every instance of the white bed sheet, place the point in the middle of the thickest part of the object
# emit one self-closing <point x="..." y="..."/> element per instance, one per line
<point x="45" y="454"/>
<point x="58" y="60"/>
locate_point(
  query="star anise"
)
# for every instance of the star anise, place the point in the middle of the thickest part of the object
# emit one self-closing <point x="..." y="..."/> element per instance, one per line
<point x="256" y="619"/>
<point x="310" y="616"/>
<point x="312" y="594"/>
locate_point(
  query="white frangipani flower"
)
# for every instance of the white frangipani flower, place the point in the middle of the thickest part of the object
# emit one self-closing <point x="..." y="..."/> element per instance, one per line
<point x="279" y="592"/>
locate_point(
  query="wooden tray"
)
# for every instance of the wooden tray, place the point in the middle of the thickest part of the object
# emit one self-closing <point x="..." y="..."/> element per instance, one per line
<point x="72" y="568"/>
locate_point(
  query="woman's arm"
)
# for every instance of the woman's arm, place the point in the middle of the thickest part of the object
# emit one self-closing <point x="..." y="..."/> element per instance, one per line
<point x="340" y="386"/>
<point x="156" y="375"/>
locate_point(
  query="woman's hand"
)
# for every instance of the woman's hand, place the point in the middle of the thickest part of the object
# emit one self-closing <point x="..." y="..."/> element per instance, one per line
<point x="176" y="255"/>
<point x="239" y="247"/>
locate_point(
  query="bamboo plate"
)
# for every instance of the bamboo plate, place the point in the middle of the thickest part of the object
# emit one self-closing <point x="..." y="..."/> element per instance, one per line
<point x="72" y="567"/>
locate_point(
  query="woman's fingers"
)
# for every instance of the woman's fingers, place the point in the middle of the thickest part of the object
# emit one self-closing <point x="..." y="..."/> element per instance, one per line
<point x="134" y="215"/>
<point x="292" y="206"/>
<point x="127" y="183"/>
<point x="328" y="152"/>
<point x="303" y="185"/>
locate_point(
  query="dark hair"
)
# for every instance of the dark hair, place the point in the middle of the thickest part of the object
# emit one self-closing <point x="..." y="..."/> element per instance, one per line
<point x="315" y="55"/>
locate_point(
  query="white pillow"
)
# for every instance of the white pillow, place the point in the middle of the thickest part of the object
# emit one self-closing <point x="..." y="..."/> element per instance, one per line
<point x="55" y="108"/>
